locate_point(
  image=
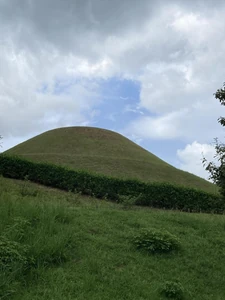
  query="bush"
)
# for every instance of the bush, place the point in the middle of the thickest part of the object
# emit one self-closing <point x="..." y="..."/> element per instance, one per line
<point x="172" y="290"/>
<point x="155" y="241"/>
<point x="159" y="195"/>
<point x="11" y="254"/>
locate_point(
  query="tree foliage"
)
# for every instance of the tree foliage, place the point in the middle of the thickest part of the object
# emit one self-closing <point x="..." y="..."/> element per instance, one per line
<point x="217" y="172"/>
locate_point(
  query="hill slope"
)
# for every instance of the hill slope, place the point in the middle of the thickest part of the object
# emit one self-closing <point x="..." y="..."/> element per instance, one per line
<point x="104" y="152"/>
<point x="82" y="248"/>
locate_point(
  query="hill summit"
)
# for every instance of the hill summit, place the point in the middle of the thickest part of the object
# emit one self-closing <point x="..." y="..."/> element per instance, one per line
<point x="104" y="152"/>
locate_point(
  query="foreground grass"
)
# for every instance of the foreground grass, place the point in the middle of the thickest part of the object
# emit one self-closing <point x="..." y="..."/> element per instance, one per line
<point x="104" y="152"/>
<point x="80" y="248"/>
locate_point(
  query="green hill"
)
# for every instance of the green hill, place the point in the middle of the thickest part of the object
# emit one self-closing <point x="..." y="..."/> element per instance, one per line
<point x="104" y="152"/>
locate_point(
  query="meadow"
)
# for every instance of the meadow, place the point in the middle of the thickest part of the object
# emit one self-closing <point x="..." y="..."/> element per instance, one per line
<point x="62" y="245"/>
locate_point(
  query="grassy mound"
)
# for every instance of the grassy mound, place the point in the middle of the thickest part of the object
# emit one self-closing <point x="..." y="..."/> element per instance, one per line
<point x="104" y="152"/>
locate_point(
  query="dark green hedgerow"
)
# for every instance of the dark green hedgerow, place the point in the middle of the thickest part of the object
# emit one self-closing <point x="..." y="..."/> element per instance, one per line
<point x="159" y="195"/>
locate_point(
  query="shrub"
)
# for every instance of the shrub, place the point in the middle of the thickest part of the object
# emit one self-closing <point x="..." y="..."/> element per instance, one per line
<point x="172" y="290"/>
<point x="159" y="195"/>
<point x="12" y="253"/>
<point x="156" y="241"/>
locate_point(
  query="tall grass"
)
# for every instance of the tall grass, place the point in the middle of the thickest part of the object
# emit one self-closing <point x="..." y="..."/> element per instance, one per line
<point x="34" y="235"/>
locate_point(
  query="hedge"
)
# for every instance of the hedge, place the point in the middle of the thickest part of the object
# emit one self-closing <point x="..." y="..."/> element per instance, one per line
<point x="158" y="195"/>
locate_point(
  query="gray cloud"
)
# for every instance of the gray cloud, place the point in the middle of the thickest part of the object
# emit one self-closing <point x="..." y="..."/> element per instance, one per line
<point x="70" y="25"/>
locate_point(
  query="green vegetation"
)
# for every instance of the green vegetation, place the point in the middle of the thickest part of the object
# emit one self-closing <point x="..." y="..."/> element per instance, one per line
<point x="104" y="152"/>
<point x="60" y="245"/>
<point x="217" y="171"/>
<point x="173" y="290"/>
<point x="71" y="245"/>
<point x="157" y="195"/>
<point x="155" y="241"/>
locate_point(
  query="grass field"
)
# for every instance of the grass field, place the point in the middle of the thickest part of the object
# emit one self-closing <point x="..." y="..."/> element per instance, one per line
<point x="104" y="152"/>
<point x="81" y="248"/>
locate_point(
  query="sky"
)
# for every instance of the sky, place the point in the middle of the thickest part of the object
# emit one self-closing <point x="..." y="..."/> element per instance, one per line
<point x="145" y="69"/>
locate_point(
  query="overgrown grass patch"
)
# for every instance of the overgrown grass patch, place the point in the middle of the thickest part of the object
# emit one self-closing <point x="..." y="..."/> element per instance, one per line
<point x="33" y="235"/>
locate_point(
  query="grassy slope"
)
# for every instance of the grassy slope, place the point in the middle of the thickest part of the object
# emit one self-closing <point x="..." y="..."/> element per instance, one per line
<point x="104" y="152"/>
<point x="102" y="262"/>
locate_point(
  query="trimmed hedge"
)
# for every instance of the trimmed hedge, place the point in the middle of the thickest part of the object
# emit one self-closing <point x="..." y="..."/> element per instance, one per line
<point x="159" y="195"/>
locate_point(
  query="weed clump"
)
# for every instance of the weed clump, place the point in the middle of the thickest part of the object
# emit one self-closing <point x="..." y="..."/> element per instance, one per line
<point x="156" y="241"/>
<point x="12" y="253"/>
<point x="172" y="290"/>
<point x="13" y="263"/>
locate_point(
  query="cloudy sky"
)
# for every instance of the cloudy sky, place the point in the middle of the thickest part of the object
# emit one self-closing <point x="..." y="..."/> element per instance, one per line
<point x="146" y="69"/>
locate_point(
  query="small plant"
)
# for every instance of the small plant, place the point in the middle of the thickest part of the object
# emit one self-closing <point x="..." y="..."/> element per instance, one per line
<point x="26" y="190"/>
<point x="172" y="290"/>
<point x="127" y="201"/>
<point x="14" y="260"/>
<point x="17" y="229"/>
<point x="12" y="253"/>
<point x="73" y="197"/>
<point x="155" y="241"/>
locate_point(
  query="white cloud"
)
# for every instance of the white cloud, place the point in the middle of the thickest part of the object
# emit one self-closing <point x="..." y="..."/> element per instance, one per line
<point x="174" y="49"/>
<point x="190" y="158"/>
<point x="198" y="121"/>
<point x="189" y="73"/>
<point x="133" y="108"/>
<point x="162" y="127"/>
<point x="25" y="109"/>
<point x="179" y="90"/>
